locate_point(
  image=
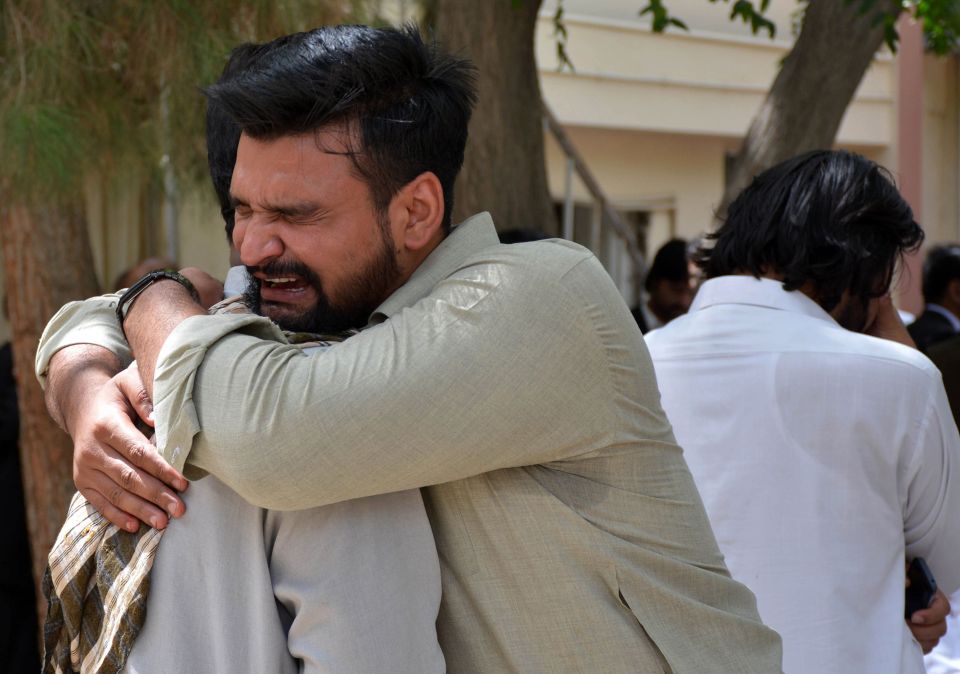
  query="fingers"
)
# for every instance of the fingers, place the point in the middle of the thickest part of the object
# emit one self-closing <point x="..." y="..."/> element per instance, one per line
<point x="928" y="645"/>
<point x="129" y="443"/>
<point x="934" y="614"/>
<point x="929" y="625"/>
<point x="120" y="505"/>
<point x="116" y="516"/>
<point x="132" y="485"/>
<point x="118" y="434"/>
<point x="132" y="388"/>
<point x="119" y="464"/>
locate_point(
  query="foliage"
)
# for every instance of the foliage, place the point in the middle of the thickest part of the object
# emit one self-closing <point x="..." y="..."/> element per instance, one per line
<point x="87" y="85"/>
<point x="745" y="10"/>
<point x="560" y="37"/>
<point x="940" y="18"/>
<point x="941" y="23"/>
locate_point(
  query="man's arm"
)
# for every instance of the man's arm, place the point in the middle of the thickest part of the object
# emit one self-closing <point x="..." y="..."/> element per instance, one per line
<point x="931" y="488"/>
<point x="496" y="368"/>
<point x="927" y="625"/>
<point x="115" y="466"/>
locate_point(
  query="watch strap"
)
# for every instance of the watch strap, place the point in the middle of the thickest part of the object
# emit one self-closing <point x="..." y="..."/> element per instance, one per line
<point x="127" y="298"/>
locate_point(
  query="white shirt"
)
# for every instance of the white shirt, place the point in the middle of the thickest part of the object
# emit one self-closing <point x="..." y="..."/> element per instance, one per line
<point x="824" y="458"/>
<point x="236" y="281"/>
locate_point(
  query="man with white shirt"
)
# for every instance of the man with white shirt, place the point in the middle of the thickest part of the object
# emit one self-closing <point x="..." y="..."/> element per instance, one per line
<point x="826" y="456"/>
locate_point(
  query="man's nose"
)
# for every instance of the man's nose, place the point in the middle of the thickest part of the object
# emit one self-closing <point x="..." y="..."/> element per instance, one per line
<point x="258" y="242"/>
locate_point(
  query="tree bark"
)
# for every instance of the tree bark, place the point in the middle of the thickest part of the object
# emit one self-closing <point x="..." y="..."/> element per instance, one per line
<point x="46" y="262"/>
<point x="504" y="170"/>
<point x="805" y="106"/>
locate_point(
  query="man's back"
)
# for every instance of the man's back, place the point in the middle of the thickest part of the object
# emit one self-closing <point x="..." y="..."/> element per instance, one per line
<point x="600" y="557"/>
<point x="824" y="458"/>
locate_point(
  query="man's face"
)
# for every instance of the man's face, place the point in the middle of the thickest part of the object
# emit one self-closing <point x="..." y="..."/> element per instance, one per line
<point x="669" y="299"/>
<point x="322" y="258"/>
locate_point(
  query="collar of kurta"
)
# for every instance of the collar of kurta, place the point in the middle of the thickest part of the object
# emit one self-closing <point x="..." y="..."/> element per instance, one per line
<point x="470" y="236"/>
<point x="762" y="292"/>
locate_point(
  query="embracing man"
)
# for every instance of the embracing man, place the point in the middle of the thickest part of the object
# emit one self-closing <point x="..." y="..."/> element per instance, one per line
<point x="509" y="381"/>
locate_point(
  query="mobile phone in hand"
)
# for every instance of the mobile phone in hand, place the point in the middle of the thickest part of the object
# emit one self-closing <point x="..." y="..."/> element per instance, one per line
<point x="921" y="589"/>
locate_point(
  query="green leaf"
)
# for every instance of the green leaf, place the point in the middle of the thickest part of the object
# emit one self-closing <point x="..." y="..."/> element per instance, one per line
<point x="660" y="17"/>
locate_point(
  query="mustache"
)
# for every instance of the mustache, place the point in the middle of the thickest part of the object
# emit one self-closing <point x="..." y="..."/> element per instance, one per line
<point x="278" y="268"/>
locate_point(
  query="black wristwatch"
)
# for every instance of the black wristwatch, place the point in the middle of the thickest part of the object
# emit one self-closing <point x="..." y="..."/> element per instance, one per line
<point x="127" y="298"/>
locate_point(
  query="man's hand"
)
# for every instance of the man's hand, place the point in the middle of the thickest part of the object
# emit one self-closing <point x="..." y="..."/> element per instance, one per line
<point x="886" y="323"/>
<point x="930" y="624"/>
<point x="115" y="466"/>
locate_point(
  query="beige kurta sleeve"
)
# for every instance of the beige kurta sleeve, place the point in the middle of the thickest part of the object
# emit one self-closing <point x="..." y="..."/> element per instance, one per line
<point x="92" y="321"/>
<point x="499" y="366"/>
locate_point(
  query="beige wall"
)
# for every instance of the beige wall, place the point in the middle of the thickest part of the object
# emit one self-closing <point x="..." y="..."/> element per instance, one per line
<point x="700" y="82"/>
<point x="649" y="171"/>
<point x="654" y="114"/>
<point x="940" y="214"/>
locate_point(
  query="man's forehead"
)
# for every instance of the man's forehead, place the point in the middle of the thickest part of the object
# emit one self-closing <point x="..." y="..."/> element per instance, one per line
<point x="292" y="167"/>
<point x="334" y="139"/>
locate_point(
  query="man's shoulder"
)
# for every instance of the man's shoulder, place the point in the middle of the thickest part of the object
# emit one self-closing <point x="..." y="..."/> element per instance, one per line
<point x="552" y="275"/>
<point x="545" y="261"/>
<point x="930" y="326"/>
<point x="551" y="255"/>
<point x="805" y="337"/>
<point x="930" y="318"/>
<point x="881" y="351"/>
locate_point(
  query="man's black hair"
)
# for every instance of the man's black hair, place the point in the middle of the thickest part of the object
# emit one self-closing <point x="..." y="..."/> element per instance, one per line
<point x="408" y="103"/>
<point x="670" y="264"/>
<point x="831" y="219"/>
<point x="223" y="136"/>
<point x="941" y="266"/>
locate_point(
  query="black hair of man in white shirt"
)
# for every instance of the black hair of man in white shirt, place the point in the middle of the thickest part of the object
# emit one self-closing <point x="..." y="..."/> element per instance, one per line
<point x="829" y="223"/>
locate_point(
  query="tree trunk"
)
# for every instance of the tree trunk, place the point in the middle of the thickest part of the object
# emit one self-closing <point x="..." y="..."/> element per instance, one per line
<point x="46" y="263"/>
<point x="807" y="101"/>
<point x="504" y="170"/>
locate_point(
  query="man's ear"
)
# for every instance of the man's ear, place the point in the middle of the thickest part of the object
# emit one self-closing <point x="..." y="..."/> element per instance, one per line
<point x="417" y="213"/>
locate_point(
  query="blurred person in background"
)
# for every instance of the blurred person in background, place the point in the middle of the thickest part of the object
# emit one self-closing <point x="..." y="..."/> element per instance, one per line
<point x="940" y="319"/>
<point x="669" y="287"/>
<point x="128" y="277"/>
<point x="19" y="651"/>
